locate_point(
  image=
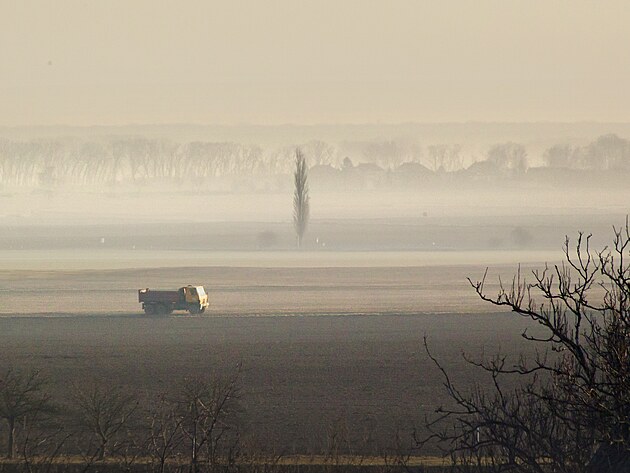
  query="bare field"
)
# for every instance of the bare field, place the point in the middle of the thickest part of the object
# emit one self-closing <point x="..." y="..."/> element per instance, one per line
<point x="302" y="375"/>
<point x="350" y="354"/>
<point x="254" y="290"/>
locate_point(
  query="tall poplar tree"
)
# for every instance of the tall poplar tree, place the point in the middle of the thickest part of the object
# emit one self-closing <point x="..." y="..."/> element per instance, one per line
<point x="300" y="197"/>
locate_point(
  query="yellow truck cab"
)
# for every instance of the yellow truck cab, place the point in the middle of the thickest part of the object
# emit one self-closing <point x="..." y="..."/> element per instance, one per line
<point x="196" y="295"/>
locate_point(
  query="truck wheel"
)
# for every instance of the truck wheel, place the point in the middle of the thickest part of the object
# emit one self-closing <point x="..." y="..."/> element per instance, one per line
<point x="194" y="309"/>
<point x="203" y="309"/>
<point x="149" y="309"/>
<point x="162" y="309"/>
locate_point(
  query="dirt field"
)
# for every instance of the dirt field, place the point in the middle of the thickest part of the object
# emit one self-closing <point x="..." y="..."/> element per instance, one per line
<point x="301" y="374"/>
<point x="351" y="353"/>
<point x="248" y="284"/>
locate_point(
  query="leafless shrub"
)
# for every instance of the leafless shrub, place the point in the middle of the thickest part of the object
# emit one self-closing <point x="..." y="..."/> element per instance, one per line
<point x="165" y="434"/>
<point x="42" y="448"/>
<point x="23" y="397"/>
<point x="207" y="416"/>
<point x="104" y="413"/>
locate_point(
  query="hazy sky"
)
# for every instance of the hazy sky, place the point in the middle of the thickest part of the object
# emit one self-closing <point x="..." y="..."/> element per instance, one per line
<point x="290" y="61"/>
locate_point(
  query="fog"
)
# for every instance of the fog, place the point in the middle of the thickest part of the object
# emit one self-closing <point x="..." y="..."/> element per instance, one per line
<point x="423" y="124"/>
<point x="424" y="187"/>
<point x="89" y="63"/>
<point x="149" y="146"/>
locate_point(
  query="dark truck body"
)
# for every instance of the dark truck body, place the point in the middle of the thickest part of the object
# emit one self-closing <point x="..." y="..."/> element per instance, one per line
<point x="190" y="298"/>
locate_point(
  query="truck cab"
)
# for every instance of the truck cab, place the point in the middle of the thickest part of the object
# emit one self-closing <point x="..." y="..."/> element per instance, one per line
<point x="196" y="296"/>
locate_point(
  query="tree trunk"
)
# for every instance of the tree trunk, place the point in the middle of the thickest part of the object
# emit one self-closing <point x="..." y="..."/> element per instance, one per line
<point x="193" y="453"/>
<point x="11" y="438"/>
<point x="101" y="450"/>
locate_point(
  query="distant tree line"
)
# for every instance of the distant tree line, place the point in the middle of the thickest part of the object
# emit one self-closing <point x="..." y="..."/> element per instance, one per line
<point x="608" y="152"/>
<point x="139" y="160"/>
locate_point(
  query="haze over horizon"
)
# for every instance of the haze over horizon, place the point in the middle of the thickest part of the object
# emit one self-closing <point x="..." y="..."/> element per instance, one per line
<point x="74" y="62"/>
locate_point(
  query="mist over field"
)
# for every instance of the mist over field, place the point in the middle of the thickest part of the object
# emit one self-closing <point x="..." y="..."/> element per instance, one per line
<point x="400" y="217"/>
<point x="456" y="187"/>
<point x="410" y="220"/>
<point x="396" y="225"/>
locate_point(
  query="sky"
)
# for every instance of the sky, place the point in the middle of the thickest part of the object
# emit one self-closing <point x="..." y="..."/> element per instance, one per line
<point x="89" y="62"/>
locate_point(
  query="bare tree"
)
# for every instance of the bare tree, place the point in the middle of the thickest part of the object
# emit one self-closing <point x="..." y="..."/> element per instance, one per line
<point x="42" y="448"/>
<point x="570" y="408"/>
<point x="22" y="395"/>
<point x="559" y="156"/>
<point x="207" y="416"/>
<point x="387" y="154"/>
<point x="165" y="433"/>
<point x="104" y="412"/>
<point x="300" y="197"/>
<point x="319" y="152"/>
<point x="509" y="157"/>
<point x="606" y="152"/>
<point x="445" y="158"/>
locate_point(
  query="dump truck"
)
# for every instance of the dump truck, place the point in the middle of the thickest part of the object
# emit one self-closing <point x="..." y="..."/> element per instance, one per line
<point x="190" y="298"/>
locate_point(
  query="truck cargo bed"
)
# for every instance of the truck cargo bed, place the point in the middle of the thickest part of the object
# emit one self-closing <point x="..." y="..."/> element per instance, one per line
<point x="148" y="295"/>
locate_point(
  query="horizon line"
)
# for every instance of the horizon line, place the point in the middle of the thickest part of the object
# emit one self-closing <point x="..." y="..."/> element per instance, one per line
<point x="312" y="125"/>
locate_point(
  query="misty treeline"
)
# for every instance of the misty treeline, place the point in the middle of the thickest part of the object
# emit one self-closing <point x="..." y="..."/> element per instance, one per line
<point x="608" y="152"/>
<point x="196" y="425"/>
<point x="52" y="163"/>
